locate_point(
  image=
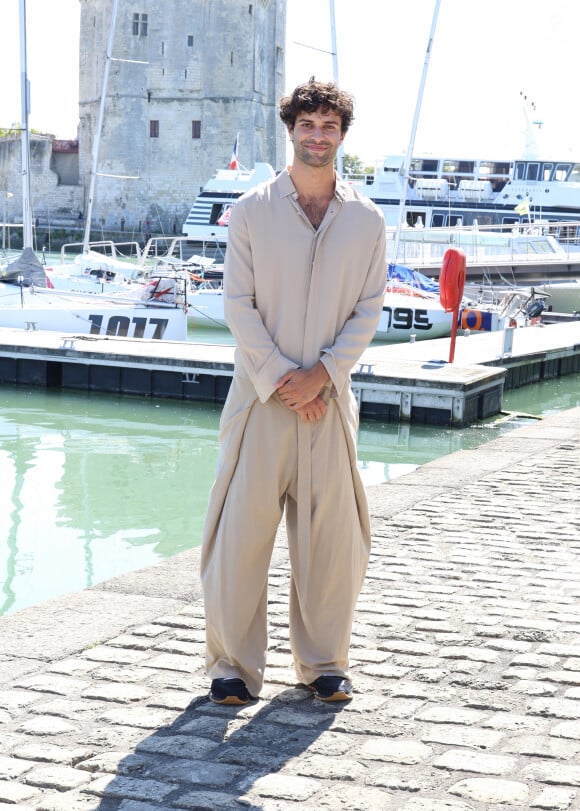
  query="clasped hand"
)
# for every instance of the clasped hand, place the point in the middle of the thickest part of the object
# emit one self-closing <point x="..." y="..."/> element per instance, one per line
<point x="300" y="390"/>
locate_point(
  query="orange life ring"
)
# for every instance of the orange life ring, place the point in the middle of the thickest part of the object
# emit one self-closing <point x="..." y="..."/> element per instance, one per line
<point x="473" y="316"/>
<point x="452" y="279"/>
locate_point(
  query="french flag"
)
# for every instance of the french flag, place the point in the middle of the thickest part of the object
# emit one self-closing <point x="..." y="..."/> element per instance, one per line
<point x="234" y="158"/>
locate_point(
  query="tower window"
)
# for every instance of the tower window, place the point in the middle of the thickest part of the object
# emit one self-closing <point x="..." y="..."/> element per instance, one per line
<point x="154" y="129"/>
<point x="196" y="129"/>
<point x="190" y="40"/>
<point x="140" y="25"/>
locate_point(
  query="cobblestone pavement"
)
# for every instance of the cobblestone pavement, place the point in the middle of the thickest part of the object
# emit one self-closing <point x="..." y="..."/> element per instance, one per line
<point x="465" y="659"/>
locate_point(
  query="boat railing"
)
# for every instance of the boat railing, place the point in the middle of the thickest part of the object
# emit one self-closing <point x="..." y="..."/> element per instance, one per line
<point x="179" y="248"/>
<point x="115" y="250"/>
<point x="521" y="243"/>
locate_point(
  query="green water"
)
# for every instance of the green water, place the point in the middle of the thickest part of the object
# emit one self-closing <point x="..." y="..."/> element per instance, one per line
<point x="92" y="486"/>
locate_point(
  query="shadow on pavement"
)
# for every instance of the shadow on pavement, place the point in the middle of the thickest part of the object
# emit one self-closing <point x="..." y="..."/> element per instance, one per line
<point x="215" y="756"/>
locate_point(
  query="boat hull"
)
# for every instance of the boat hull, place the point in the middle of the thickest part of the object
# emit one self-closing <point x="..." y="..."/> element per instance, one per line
<point x="405" y="318"/>
<point x="92" y="315"/>
<point x="563" y="297"/>
<point x="401" y="317"/>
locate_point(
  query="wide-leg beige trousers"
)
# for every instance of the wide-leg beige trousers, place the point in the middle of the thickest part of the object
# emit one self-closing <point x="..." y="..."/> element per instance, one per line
<point x="328" y="551"/>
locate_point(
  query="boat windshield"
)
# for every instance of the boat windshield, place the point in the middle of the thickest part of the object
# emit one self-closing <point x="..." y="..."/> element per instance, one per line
<point x="533" y="170"/>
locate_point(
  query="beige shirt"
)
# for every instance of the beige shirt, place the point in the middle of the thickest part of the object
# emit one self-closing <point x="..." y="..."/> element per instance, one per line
<point x="295" y="294"/>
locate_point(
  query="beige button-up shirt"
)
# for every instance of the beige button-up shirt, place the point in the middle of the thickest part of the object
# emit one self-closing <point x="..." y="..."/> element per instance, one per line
<point x="295" y="294"/>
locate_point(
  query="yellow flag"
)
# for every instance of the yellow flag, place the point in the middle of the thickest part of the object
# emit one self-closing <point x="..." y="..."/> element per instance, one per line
<point x="523" y="208"/>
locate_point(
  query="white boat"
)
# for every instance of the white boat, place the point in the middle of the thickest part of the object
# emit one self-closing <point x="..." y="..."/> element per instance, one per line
<point x="402" y="316"/>
<point x="500" y="259"/>
<point x="446" y="191"/>
<point x="562" y="296"/>
<point x="208" y="219"/>
<point x="157" y="310"/>
<point x="92" y="272"/>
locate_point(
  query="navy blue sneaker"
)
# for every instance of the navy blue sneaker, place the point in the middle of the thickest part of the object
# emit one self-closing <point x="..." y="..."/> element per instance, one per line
<point x="331" y="688"/>
<point x="229" y="691"/>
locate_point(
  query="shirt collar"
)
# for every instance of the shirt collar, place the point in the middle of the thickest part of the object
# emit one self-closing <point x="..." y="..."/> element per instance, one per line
<point x="343" y="191"/>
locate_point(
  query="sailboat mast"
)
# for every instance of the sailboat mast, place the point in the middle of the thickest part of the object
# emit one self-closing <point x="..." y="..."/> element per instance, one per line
<point x="409" y="155"/>
<point x="98" y="129"/>
<point x="340" y="152"/>
<point x="24" y="133"/>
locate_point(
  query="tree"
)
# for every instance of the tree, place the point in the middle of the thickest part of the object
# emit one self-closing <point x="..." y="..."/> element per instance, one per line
<point x="16" y="129"/>
<point x="13" y="130"/>
<point x="353" y="165"/>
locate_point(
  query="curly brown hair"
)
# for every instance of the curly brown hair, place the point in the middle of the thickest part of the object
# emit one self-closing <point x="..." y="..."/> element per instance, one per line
<point x="311" y="96"/>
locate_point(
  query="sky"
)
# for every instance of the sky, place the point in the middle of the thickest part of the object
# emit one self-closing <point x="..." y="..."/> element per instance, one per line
<point x="485" y="54"/>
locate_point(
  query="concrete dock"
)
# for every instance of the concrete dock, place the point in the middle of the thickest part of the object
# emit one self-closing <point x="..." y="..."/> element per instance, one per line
<point x="393" y="382"/>
<point x="465" y="663"/>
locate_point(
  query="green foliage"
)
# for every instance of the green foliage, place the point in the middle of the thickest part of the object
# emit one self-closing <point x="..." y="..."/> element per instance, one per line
<point x="13" y="130"/>
<point x="353" y="165"/>
<point x="16" y="129"/>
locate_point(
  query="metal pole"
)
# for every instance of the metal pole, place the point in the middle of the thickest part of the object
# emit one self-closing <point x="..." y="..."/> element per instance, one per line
<point x="24" y="134"/>
<point x="98" y="129"/>
<point x="334" y="52"/>
<point x="409" y="155"/>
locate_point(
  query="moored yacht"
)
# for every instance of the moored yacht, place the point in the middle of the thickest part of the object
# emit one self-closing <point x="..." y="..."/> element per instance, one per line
<point x="209" y="216"/>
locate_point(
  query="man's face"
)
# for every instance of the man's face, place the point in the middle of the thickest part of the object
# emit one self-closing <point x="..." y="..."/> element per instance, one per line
<point x="317" y="137"/>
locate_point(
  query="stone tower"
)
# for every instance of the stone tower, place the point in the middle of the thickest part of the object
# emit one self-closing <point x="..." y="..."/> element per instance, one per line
<point x="185" y="77"/>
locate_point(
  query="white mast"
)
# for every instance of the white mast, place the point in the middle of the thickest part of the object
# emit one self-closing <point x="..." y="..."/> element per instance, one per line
<point x="24" y="133"/>
<point x="98" y="129"/>
<point x="409" y="155"/>
<point x="340" y="152"/>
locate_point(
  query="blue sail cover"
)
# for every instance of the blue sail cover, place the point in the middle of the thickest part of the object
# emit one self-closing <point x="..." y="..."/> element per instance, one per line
<point x="413" y="278"/>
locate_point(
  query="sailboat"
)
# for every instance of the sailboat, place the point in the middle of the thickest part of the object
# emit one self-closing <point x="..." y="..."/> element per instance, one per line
<point x="30" y="300"/>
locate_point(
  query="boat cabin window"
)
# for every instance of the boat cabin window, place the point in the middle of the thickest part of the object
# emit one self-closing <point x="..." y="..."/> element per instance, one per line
<point x="527" y="171"/>
<point x="466" y="168"/>
<point x="218" y="210"/>
<point x="449" y="169"/>
<point x="561" y="171"/>
<point x="575" y="174"/>
<point x="487" y="168"/>
<point x="438" y="220"/>
<point x="424" y="167"/>
<point x="415" y="219"/>
<point x="547" y="169"/>
<point x="453" y="171"/>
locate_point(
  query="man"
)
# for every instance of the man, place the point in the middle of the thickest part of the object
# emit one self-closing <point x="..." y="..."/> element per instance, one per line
<point x="305" y="273"/>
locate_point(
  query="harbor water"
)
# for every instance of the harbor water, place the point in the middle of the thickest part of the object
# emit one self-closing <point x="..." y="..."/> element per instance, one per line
<point x="93" y="485"/>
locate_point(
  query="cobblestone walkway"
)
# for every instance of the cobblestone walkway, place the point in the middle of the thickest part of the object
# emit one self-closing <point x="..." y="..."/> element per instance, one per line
<point x="465" y="660"/>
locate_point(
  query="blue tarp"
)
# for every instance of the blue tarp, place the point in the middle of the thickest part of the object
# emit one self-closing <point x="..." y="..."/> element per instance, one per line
<point x="414" y="278"/>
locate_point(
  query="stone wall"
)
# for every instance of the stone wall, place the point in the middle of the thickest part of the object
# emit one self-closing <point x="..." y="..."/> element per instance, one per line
<point x="216" y="62"/>
<point x="219" y="63"/>
<point x="54" y="201"/>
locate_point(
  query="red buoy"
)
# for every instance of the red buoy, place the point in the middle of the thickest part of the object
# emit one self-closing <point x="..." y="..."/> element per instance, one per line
<point x="451" y="286"/>
<point x="452" y="279"/>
